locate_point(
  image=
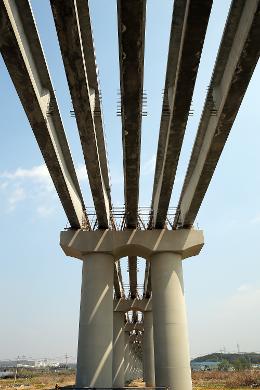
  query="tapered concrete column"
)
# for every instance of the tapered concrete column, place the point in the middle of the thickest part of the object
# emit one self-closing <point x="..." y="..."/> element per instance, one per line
<point x="126" y="357"/>
<point x="118" y="350"/>
<point x="171" y="349"/>
<point x="148" y="350"/>
<point x="131" y="367"/>
<point x="94" y="363"/>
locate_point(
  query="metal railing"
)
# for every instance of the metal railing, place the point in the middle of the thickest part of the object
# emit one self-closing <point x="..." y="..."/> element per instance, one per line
<point x="118" y="218"/>
<point x="139" y="290"/>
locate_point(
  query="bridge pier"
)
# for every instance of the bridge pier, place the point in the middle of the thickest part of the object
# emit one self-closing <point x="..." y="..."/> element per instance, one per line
<point x="94" y="361"/>
<point x="126" y="358"/>
<point x="118" y="349"/>
<point x="171" y="347"/>
<point x="131" y="362"/>
<point x="165" y="249"/>
<point x="148" y="350"/>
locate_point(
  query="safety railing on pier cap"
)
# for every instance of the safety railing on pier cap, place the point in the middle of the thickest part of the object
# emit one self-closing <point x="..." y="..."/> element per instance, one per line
<point x="118" y="218"/>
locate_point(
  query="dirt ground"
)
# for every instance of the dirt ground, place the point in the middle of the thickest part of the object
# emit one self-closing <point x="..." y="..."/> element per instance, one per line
<point x="208" y="380"/>
<point x="41" y="381"/>
<point x="211" y="380"/>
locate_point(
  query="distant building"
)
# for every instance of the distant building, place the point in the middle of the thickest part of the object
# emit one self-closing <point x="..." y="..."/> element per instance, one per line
<point x="45" y="363"/>
<point x="204" y="366"/>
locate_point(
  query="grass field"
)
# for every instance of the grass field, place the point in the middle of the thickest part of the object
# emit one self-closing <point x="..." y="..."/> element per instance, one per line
<point x="207" y="380"/>
<point x="39" y="380"/>
<point x="203" y="380"/>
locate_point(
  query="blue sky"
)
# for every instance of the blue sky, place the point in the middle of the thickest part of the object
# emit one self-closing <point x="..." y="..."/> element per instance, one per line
<point x="40" y="287"/>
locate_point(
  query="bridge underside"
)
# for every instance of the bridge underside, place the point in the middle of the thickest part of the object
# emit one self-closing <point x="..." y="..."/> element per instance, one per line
<point x="123" y="336"/>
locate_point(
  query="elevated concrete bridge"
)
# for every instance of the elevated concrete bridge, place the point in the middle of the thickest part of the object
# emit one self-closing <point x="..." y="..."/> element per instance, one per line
<point x="115" y="346"/>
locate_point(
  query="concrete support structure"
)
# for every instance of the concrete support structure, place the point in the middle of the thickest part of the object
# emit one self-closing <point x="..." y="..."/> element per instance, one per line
<point x="71" y="38"/>
<point x="148" y="350"/>
<point x="188" y="30"/>
<point x="22" y="53"/>
<point x="126" y="357"/>
<point x="118" y="350"/>
<point x="101" y="329"/>
<point x="125" y="305"/>
<point x="172" y="360"/>
<point x="237" y="58"/>
<point x="94" y="363"/>
<point x="165" y="250"/>
<point x="131" y="363"/>
<point x="131" y="36"/>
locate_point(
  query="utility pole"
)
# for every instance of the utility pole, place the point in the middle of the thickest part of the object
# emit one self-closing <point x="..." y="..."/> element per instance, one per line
<point x="66" y="361"/>
<point x="16" y="369"/>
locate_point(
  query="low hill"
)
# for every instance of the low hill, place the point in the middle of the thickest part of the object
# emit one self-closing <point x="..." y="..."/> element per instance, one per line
<point x="252" y="357"/>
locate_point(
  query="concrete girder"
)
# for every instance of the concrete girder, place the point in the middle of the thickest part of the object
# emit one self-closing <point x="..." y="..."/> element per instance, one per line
<point x="237" y="57"/>
<point x="189" y="25"/>
<point x="71" y="17"/>
<point x="24" y="58"/>
<point x="135" y="316"/>
<point x="92" y="72"/>
<point x="147" y="281"/>
<point x="118" y="283"/>
<point x="131" y="35"/>
<point x="132" y="265"/>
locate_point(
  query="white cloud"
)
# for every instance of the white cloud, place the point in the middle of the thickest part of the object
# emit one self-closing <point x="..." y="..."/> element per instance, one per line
<point x="35" y="185"/>
<point x="37" y="173"/>
<point x="16" y="196"/>
<point x="32" y="184"/>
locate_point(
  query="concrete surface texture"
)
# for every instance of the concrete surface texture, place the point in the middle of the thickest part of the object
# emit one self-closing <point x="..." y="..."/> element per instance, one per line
<point x="172" y="364"/>
<point x="118" y="379"/>
<point x="102" y="319"/>
<point x="94" y="363"/>
<point x="187" y="242"/>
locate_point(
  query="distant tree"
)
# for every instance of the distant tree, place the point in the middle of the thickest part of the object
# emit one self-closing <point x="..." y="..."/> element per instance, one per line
<point x="241" y="364"/>
<point x="224" y="365"/>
